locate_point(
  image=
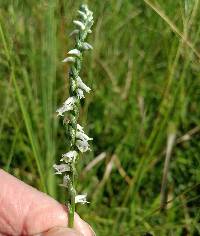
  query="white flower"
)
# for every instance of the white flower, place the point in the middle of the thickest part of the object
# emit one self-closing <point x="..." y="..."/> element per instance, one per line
<point x="66" y="180"/>
<point x="82" y="136"/>
<point x="61" y="168"/>
<point x="82" y="86"/>
<point x="69" y="59"/>
<point x="87" y="46"/>
<point x="89" y="31"/>
<point x="81" y="199"/>
<point x="75" y="52"/>
<point x="80" y="24"/>
<point x="83" y="146"/>
<point x="67" y="106"/>
<point x="76" y="31"/>
<point x="79" y="128"/>
<point x="90" y="18"/>
<point x="69" y="156"/>
<point x="88" y="13"/>
<point x="82" y="14"/>
<point x="82" y="139"/>
<point x="80" y="93"/>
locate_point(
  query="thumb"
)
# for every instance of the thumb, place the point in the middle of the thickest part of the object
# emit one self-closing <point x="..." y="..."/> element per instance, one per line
<point x="61" y="231"/>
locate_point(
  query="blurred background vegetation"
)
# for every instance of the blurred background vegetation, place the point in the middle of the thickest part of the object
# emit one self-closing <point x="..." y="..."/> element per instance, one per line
<point x="143" y="108"/>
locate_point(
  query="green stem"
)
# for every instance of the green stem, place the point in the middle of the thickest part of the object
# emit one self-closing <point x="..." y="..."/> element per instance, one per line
<point x="74" y="119"/>
<point x="72" y="201"/>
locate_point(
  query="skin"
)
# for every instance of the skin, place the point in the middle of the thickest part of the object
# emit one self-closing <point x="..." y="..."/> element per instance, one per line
<point x="26" y="211"/>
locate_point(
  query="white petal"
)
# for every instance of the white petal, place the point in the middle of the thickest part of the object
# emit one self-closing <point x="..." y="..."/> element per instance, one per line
<point x="79" y="23"/>
<point x="83" y="86"/>
<point x="70" y="100"/>
<point x="60" y="111"/>
<point x="83" y="146"/>
<point x="76" y="31"/>
<point x="80" y="93"/>
<point x="69" y="59"/>
<point x="80" y="128"/>
<point x="75" y="52"/>
<point x="89" y="31"/>
<point x="87" y="46"/>
<point x="61" y="168"/>
<point x="81" y="199"/>
<point x="90" y="18"/>
<point x="85" y="8"/>
<point x="68" y="105"/>
<point x="69" y="156"/>
<point x="82" y="136"/>
<point x="82" y="14"/>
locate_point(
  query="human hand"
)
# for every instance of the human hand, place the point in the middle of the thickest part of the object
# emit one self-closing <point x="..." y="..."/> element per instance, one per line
<point x="26" y="211"/>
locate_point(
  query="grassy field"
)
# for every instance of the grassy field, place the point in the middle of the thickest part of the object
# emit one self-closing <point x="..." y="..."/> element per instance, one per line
<point x="143" y="108"/>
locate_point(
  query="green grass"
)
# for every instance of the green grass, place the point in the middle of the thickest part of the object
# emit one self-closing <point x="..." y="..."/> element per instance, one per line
<point x="144" y="72"/>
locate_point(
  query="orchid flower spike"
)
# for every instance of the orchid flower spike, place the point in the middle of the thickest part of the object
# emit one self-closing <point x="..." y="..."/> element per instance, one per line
<point x="78" y="140"/>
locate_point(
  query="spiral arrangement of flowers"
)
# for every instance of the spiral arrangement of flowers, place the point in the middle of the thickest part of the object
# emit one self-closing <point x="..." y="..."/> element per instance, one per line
<point x="79" y="141"/>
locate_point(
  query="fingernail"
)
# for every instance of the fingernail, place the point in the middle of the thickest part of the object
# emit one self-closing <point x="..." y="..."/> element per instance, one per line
<point x="61" y="232"/>
<point x="83" y="227"/>
<point x="93" y="233"/>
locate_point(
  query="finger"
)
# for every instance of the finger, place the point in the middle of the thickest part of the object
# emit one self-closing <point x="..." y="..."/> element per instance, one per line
<point x="24" y="210"/>
<point x="62" y="232"/>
